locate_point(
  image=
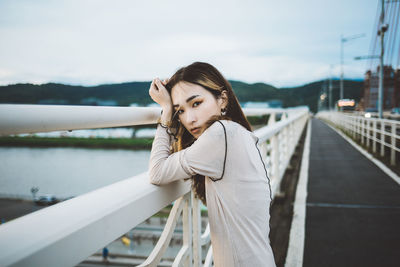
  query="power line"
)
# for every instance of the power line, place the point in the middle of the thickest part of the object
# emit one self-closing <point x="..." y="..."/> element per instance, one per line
<point x="374" y="41"/>
<point x="396" y="35"/>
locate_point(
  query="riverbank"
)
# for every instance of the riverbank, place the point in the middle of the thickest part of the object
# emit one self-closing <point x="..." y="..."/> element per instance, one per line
<point x="104" y="143"/>
<point x="138" y="143"/>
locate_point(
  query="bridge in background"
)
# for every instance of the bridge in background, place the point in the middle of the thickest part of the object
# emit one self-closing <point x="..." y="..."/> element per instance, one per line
<point x="347" y="206"/>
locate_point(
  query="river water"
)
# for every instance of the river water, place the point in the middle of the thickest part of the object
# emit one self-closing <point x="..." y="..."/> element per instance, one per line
<point x="65" y="172"/>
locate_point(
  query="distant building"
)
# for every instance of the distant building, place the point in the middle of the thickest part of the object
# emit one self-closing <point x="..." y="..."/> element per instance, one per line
<point x="275" y="103"/>
<point x="94" y="101"/>
<point x="251" y="104"/>
<point x="53" y="102"/>
<point x="391" y="88"/>
<point x="267" y="104"/>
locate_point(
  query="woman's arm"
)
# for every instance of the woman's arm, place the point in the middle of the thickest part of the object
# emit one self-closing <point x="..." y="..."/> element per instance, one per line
<point x="205" y="156"/>
<point x="164" y="167"/>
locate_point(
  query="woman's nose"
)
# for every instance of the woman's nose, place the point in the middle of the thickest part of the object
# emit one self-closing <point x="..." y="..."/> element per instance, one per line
<point x="191" y="117"/>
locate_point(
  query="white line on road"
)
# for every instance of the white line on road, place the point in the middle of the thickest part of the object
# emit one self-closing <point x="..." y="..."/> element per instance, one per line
<point x="295" y="252"/>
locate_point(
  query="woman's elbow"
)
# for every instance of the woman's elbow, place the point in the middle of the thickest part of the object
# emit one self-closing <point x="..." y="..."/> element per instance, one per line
<point x="154" y="177"/>
<point x="154" y="181"/>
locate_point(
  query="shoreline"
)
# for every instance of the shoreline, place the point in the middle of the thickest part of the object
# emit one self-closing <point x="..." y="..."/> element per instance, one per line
<point x="144" y="143"/>
<point x="102" y="143"/>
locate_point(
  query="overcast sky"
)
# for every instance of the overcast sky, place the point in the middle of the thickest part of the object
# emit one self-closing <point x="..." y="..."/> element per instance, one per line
<point x="283" y="43"/>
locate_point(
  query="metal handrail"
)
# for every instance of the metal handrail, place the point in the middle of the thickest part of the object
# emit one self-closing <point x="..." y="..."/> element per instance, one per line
<point x="68" y="232"/>
<point x="22" y="118"/>
<point x="84" y="224"/>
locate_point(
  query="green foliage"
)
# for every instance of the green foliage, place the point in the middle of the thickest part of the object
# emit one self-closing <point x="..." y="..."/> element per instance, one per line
<point x="137" y="92"/>
<point x="255" y="92"/>
<point x="124" y="93"/>
<point x="258" y="120"/>
<point x="34" y="141"/>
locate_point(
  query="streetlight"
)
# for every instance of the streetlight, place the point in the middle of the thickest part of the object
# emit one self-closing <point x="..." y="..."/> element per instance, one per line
<point x="342" y="41"/>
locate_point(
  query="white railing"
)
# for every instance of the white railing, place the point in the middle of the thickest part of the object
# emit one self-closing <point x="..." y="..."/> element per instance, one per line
<point x="369" y="131"/>
<point x="69" y="232"/>
<point x="278" y="141"/>
<point x="385" y="114"/>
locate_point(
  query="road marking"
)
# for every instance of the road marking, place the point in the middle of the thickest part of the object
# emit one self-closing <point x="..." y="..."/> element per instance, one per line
<point x="378" y="163"/>
<point x="355" y="206"/>
<point x="295" y="251"/>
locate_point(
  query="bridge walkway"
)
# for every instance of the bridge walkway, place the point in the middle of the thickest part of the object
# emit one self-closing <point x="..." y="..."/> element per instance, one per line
<point x="352" y="206"/>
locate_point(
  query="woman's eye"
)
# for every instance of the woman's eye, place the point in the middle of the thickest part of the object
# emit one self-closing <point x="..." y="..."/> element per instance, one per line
<point x="195" y="104"/>
<point x="180" y="111"/>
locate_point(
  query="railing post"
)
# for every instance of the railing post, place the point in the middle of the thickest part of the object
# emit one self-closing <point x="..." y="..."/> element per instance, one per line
<point x="343" y="122"/>
<point x="291" y="134"/>
<point x="356" y="129"/>
<point x="383" y="130"/>
<point x="275" y="158"/>
<point x="274" y="150"/>
<point x="286" y="138"/>
<point x="392" y="150"/>
<point x="197" y="257"/>
<point x="374" y="137"/>
<point x="187" y="230"/>
<point x="368" y="135"/>
<point x="357" y="119"/>
<point x="362" y="131"/>
<point x="351" y="126"/>
<point x="272" y="119"/>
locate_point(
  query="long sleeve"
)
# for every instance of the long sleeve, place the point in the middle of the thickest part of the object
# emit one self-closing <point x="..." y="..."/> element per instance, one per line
<point x="205" y="156"/>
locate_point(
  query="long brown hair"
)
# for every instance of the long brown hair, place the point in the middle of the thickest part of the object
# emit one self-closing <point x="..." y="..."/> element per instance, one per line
<point x="211" y="79"/>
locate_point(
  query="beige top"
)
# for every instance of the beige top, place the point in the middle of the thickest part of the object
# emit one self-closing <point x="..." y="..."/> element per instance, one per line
<point x="238" y="204"/>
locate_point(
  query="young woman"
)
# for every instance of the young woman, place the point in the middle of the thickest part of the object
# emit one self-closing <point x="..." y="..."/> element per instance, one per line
<point x="204" y="136"/>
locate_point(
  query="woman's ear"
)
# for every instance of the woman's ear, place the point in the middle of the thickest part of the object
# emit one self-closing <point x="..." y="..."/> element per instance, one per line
<point x="223" y="98"/>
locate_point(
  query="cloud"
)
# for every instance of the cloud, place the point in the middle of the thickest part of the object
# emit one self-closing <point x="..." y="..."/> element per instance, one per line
<point x="94" y="42"/>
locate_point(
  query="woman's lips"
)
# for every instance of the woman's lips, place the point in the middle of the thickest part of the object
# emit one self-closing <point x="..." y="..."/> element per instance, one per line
<point x="195" y="130"/>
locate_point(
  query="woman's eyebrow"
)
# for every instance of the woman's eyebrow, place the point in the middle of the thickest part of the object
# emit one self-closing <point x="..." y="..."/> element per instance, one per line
<point x="187" y="100"/>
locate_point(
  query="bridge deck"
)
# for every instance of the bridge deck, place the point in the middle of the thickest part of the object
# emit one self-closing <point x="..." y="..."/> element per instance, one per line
<point x="352" y="209"/>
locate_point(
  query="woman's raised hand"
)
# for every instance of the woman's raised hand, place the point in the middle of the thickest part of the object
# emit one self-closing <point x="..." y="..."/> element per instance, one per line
<point x="159" y="94"/>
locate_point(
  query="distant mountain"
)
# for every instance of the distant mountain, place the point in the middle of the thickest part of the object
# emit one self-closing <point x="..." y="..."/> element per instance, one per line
<point x="309" y="94"/>
<point x="254" y="92"/>
<point x="124" y="94"/>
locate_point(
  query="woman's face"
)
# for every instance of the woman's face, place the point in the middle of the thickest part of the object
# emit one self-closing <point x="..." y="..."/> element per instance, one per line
<point x="194" y="106"/>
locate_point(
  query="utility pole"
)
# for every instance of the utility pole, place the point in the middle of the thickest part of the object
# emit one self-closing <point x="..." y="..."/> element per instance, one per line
<point x="330" y="88"/>
<point x="381" y="32"/>
<point x="326" y="95"/>
<point x="342" y="41"/>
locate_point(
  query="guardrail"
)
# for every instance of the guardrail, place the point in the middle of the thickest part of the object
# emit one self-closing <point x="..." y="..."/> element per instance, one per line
<point x="369" y="131"/>
<point x="67" y="233"/>
<point x="385" y="114"/>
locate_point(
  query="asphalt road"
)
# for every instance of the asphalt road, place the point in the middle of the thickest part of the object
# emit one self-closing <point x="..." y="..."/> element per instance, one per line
<point x="353" y="207"/>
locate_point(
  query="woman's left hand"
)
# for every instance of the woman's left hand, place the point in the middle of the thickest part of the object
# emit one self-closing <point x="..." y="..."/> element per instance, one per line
<point x="159" y="94"/>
